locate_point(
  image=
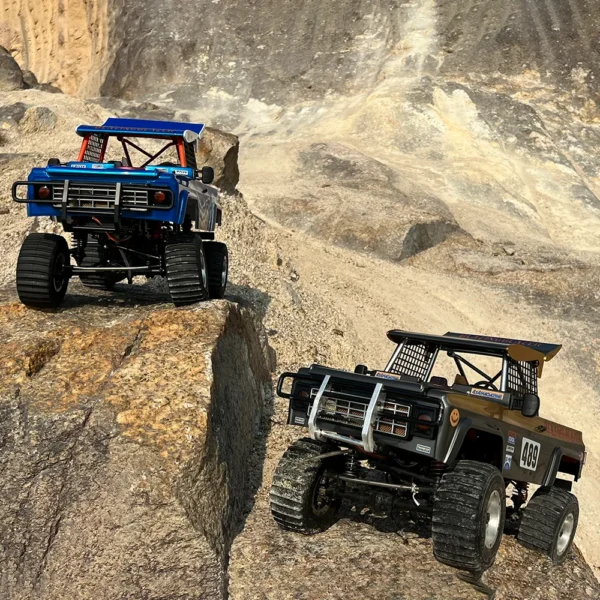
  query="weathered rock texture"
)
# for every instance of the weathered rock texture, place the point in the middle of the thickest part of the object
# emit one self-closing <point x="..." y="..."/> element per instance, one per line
<point x="124" y="441"/>
<point x="220" y="151"/>
<point x="11" y="76"/>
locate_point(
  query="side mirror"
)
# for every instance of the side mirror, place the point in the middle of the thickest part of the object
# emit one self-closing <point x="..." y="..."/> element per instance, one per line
<point x="531" y="405"/>
<point x="207" y="174"/>
<point x="361" y="369"/>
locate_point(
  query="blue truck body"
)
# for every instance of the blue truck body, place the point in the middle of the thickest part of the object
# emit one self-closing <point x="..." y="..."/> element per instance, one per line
<point x="125" y="219"/>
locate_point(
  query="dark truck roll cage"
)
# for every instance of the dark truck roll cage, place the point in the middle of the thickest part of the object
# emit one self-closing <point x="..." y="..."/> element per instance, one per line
<point x="522" y="361"/>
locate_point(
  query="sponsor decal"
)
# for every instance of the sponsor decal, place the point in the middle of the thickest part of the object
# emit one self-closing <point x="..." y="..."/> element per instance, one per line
<point x="423" y="448"/>
<point x="300" y="420"/>
<point x="97" y="166"/>
<point x="180" y="172"/>
<point x="454" y="417"/>
<point x="507" y="462"/>
<point x="530" y="454"/>
<point x="510" y="449"/>
<point x="79" y="166"/>
<point x="487" y="394"/>
<point x="385" y="375"/>
<point x="512" y="438"/>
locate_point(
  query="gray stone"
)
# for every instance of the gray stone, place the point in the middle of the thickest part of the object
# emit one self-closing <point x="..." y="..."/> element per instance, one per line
<point x="30" y="79"/>
<point x="12" y="114"/>
<point x="38" y="119"/>
<point x="422" y="236"/>
<point x="11" y="76"/>
<point x="220" y="150"/>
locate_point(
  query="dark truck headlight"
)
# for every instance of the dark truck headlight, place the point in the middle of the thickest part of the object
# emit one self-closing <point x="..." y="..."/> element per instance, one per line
<point x="426" y="416"/>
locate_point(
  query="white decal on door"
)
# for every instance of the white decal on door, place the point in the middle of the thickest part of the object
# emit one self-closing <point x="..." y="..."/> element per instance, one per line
<point x="530" y="453"/>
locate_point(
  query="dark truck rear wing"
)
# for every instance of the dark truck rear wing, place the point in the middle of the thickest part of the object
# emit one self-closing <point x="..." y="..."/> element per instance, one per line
<point x="355" y="409"/>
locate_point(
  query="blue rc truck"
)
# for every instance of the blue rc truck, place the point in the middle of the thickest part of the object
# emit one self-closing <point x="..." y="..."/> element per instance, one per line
<point x="155" y="217"/>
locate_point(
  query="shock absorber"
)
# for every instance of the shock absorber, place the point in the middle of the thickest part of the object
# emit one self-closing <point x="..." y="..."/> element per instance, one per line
<point x="519" y="494"/>
<point x="437" y="469"/>
<point x="351" y="466"/>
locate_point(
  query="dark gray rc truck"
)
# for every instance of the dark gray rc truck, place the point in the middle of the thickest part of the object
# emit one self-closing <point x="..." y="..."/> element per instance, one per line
<point x="464" y="450"/>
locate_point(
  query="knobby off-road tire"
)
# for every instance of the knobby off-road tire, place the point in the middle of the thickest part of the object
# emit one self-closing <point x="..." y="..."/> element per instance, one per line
<point x="217" y="264"/>
<point x="94" y="256"/>
<point x="297" y="502"/>
<point x="42" y="270"/>
<point x="187" y="275"/>
<point x="468" y="516"/>
<point x="549" y="523"/>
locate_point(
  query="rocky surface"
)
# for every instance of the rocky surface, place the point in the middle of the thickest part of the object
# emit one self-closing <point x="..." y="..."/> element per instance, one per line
<point x="125" y="438"/>
<point x="429" y="165"/>
<point x="220" y="151"/>
<point x="377" y="558"/>
<point x="11" y="76"/>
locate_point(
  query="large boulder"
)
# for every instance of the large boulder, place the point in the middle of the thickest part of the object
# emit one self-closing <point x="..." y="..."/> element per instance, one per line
<point x="347" y="198"/>
<point x="220" y="151"/>
<point x="124" y="444"/>
<point x="12" y="114"/>
<point x="11" y="76"/>
<point x="38" y="119"/>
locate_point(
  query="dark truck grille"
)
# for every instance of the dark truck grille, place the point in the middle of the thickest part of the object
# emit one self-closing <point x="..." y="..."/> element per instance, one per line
<point x="98" y="196"/>
<point x="352" y="413"/>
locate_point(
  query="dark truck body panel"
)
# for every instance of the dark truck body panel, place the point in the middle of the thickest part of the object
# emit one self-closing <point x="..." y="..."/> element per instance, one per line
<point x="531" y="449"/>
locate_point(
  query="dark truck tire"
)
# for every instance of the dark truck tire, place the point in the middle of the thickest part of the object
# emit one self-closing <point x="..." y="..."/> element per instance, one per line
<point x="468" y="516"/>
<point x="296" y="504"/>
<point x="185" y="265"/>
<point x="43" y="270"/>
<point x="217" y="264"/>
<point x="549" y="523"/>
<point x="94" y="257"/>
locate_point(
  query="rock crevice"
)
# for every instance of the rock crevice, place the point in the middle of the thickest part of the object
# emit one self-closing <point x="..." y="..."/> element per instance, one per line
<point x="128" y="477"/>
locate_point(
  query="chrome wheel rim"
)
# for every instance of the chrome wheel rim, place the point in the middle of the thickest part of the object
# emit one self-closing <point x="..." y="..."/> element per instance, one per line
<point x="493" y="517"/>
<point x="203" y="273"/>
<point x="224" y="272"/>
<point x="565" y="534"/>
<point x="58" y="280"/>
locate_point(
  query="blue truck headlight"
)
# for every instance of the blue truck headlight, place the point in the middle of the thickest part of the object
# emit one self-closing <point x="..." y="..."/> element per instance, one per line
<point x="43" y="192"/>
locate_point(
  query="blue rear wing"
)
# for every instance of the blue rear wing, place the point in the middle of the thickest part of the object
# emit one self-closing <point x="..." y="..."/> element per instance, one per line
<point x="190" y="132"/>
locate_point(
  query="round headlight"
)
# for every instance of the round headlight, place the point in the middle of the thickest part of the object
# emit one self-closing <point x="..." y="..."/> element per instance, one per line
<point x="44" y="192"/>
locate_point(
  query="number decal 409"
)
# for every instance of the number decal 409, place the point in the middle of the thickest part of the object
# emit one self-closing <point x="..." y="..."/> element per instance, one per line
<point x="530" y="453"/>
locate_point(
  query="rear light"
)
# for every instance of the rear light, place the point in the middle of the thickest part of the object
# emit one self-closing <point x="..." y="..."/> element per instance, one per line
<point x="159" y="197"/>
<point x="44" y="192"/>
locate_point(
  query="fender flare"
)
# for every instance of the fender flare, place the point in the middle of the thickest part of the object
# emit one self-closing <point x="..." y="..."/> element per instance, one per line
<point x="461" y="432"/>
<point x="552" y="470"/>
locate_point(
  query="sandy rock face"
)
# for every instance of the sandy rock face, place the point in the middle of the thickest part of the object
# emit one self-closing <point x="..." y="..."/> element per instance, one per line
<point x="124" y="439"/>
<point x="220" y="150"/>
<point x="11" y="76"/>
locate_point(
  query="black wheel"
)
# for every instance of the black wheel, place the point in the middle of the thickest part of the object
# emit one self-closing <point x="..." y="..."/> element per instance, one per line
<point x="43" y="270"/>
<point x="468" y="516"/>
<point x="95" y="256"/>
<point x="187" y="276"/>
<point x="301" y="493"/>
<point x="549" y="523"/>
<point x="217" y="264"/>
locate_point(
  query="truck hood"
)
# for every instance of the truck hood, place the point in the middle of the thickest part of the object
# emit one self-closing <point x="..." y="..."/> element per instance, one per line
<point x="111" y="174"/>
